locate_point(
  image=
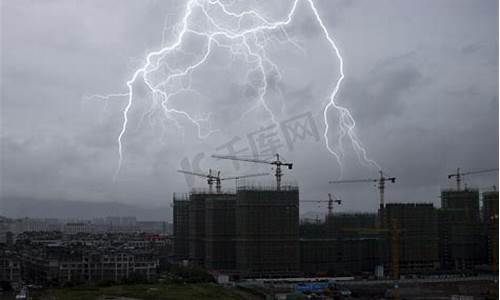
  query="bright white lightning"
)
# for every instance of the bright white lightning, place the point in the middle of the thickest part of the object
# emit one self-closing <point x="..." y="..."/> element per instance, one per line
<point x="248" y="42"/>
<point x="347" y="123"/>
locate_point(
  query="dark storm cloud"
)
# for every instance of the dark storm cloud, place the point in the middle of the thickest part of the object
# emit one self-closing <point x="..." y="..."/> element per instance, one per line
<point x="421" y="82"/>
<point x="382" y="91"/>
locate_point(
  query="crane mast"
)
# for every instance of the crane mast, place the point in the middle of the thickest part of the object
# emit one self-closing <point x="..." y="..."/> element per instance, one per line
<point x="330" y="203"/>
<point x="381" y="187"/>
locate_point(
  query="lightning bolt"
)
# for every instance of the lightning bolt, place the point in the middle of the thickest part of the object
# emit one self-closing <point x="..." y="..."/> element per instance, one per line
<point x="347" y="123"/>
<point x="245" y="35"/>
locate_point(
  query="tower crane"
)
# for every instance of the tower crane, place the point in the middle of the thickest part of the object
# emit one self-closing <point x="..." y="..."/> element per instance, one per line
<point x="381" y="184"/>
<point x="215" y="177"/>
<point x="330" y="202"/>
<point x="458" y="175"/>
<point x="277" y="162"/>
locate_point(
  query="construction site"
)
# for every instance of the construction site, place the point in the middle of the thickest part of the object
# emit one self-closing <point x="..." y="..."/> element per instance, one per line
<point x="256" y="232"/>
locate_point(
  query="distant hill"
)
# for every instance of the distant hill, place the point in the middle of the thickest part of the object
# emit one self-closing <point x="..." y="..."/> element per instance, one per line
<point x="18" y="207"/>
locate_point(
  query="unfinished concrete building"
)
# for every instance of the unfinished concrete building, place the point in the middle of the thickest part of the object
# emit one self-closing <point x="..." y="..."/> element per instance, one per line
<point x="197" y="227"/>
<point x="220" y="232"/>
<point x="466" y="201"/>
<point x="246" y="233"/>
<point x="345" y="244"/>
<point x="341" y="257"/>
<point x="204" y="229"/>
<point x="181" y="227"/>
<point x="416" y="224"/>
<point x="266" y="223"/>
<point x="345" y="224"/>
<point x="461" y="246"/>
<point x="490" y="207"/>
<point x="267" y="231"/>
<point x="490" y="226"/>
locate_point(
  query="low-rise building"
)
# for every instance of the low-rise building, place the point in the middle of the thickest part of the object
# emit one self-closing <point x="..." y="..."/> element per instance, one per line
<point x="10" y="267"/>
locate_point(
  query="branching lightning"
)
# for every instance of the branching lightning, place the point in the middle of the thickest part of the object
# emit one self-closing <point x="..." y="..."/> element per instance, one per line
<point x="245" y="34"/>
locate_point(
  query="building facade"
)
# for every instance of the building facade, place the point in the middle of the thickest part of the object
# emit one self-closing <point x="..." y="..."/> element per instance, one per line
<point x="58" y="265"/>
<point x="244" y="233"/>
<point x="267" y="227"/>
<point x="462" y="245"/>
<point x="220" y="232"/>
<point x="181" y="227"/>
<point x="414" y="236"/>
<point x="10" y="267"/>
<point x="490" y="227"/>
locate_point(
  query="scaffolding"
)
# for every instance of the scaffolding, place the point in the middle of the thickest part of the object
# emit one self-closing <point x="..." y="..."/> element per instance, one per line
<point x="344" y="245"/>
<point x="220" y="232"/>
<point x="490" y="221"/>
<point x="267" y="223"/>
<point x="417" y="244"/>
<point x="459" y="230"/>
<point x="197" y="228"/>
<point x="181" y="226"/>
<point x="246" y="186"/>
<point x="210" y="229"/>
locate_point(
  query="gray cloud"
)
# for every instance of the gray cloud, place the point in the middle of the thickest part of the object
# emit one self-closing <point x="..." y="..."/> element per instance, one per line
<point x="421" y="82"/>
<point x="383" y="90"/>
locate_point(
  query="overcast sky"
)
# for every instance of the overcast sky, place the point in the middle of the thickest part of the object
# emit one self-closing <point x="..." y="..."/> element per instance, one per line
<point x="421" y="82"/>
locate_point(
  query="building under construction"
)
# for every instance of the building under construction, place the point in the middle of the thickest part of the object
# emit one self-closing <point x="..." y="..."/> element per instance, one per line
<point x="246" y="232"/>
<point x="181" y="227"/>
<point x="210" y="228"/>
<point x="267" y="231"/>
<point x="342" y="224"/>
<point x="255" y="232"/>
<point x="490" y="228"/>
<point x="461" y="244"/>
<point x="220" y="231"/>
<point x="414" y="235"/>
<point x="345" y="244"/>
<point x="197" y="227"/>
